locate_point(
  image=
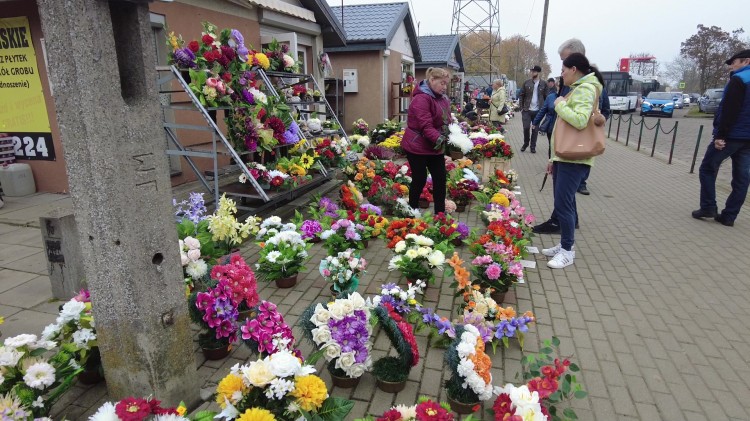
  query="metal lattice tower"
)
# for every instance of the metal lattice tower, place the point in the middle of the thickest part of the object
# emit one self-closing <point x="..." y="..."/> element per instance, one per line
<point x="478" y="18"/>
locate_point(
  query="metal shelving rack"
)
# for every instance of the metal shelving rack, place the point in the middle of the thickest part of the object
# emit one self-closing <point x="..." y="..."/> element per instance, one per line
<point x="252" y="196"/>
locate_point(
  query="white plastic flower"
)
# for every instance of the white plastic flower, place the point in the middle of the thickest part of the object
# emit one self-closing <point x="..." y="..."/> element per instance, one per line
<point x="197" y="269"/>
<point x="321" y="334"/>
<point x="71" y="311"/>
<point x="288" y="61"/>
<point x="321" y="315"/>
<point x="279" y="388"/>
<point x="82" y="337"/>
<point x="39" y="376"/>
<point x="436" y="258"/>
<point x="284" y="364"/>
<point x="194" y="255"/>
<point x="9" y="356"/>
<point x="192" y="243"/>
<point x="20" y="340"/>
<point x="332" y="350"/>
<point x="105" y="412"/>
<point x="50" y="331"/>
<point x="345" y="360"/>
<point x="273" y="256"/>
<point x="257" y="373"/>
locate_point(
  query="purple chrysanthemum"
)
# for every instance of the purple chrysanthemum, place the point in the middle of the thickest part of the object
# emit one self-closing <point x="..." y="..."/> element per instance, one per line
<point x="184" y="58"/>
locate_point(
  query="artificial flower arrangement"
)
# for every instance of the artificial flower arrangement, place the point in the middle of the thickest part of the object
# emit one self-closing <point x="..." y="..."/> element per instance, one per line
<point x="241" y="280"/>
<point x="471" y="380"/>
<point x="391" y="372"/>
<point x="226" y="231"/>
<point x="496" y="271"/>
<point x="138" y="409"/>
<point x="351" y="197"/>
<point x="359" y="142"/>
<point x="343" y="271"/>
<point x="215" y="311"/>
<point x="331" y="151"/>
<point x="279" y="58"/>
<point x="462" y="191"/>
<point x="75" y="324"/>
<point x="548" y="384"/>
<point x="266" y="330"/>
<point x="416" y="256"/>
<point x="370" y="216"/>
<point x="495" y="147"/>
<point x="342" y="330"/>
<point x="342" y="235"/>
<point x="324" y="210"/>
<point x="425" y="410"/>
<point x="379" y="152"/>
<point x="279" y="386"/>
<point x="393" y="142"/>
<point x="282" y="256"/>
<point x="384" y="130"/>
<point x="310" y="229"/>
<point x="400" y="228"/>
<point x="458" y="140"/>
<point x="32" y="378"/>
<point x="317" y="95"/>
<point x="272" y="226"/>
<point x="360" y="127"/>
<point x="398" y="173"/>
<point x="195" y="239"/>
<point x="426" y="195"/>
<point x="442" y="229"/>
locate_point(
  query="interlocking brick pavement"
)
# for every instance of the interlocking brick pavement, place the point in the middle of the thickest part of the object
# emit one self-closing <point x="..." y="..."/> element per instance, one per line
<point x="653" y="310"/>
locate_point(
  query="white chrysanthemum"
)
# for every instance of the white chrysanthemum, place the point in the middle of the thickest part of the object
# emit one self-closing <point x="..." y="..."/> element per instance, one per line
<point x="105" y="412"/>
<point x="276" y="173"/>
<point x="271" y="221"/>
<point x="495" y="136"/>
<point x="411" y="254"/>
<point x="9" y="356"/>
<point x="71" y="311"/>
<point x="273" y="256"/>
<point x="436" y="258"/>
<point x="171" y="417"/>
<point x="364" y="141"/>
<point x="82" y="337"/>
<point x="480" y="133"/>
<point x="423" y="251"/>
<point x="39" y="376"/>
<point x="196" y="269"/>
<point x="400" y="247"/>
<point x="50" y="331"/>
<point x="393" y="263"/>
<point x="424" y="241"/>
<point x="407" y="412"/>
<point x="20" y="340"/>
<point x="469" y="175"/>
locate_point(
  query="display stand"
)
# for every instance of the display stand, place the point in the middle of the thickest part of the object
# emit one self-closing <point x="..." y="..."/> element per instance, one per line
<point x="401" y="101"/>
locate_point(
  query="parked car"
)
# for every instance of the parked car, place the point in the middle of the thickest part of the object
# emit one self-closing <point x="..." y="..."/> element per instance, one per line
<point x="659" y="103"/>
<point x="710" y="100"/>
<point x="686" y="99"/>
<point x="694" y="97"/>
<point x="677" y="97"/>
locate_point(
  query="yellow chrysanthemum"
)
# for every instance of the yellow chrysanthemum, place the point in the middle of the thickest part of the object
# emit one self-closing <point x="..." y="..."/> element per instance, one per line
<point x="173" y="41"/>
<point x="500" y="199"/>
<point x="230" y="388"/>
<point x="257" y="414"/>
<point x="299" y="170"/>
<point x="263" y="60"/>
<point x="310" y="392"/>
<point x="306" y="161"/>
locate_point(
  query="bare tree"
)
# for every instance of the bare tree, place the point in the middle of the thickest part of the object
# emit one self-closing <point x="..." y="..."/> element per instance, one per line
<point x="682" y="69"/>
<point x="709" y="48"/>
<point x="518" y="56"/>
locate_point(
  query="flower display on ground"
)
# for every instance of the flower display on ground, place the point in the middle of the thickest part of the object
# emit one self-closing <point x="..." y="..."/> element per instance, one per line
<point x="281" y="256"/>
<point x="241" y="279"/>
<point x="343" y="234"/>
<point x="343" y="271"/>
<point x="416" y="256"/>
<point x="266" y="332"/>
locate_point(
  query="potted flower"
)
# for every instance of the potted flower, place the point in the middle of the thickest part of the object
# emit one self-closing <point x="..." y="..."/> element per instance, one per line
<point x="392" y="372"/>
<point x="75" y="325"/>
<point x="471" y="379"/>
<point x="277" y="387"/>
<point x="316" y="95"/>
<point x="370" y="217"/>
<point x="241" y="280"/>
<point x="360" y="127"/>
<point x="282" y="257"/>
<point x="459" y="143"/>
<point x="343" y="234"/>
<point x="342" y="330"/>
<point x="33" y="378"/>
<point x="425" y="410"/>
<point x="266" y="331"/>
<point x="442" y="229"/>
<point x="343" y="271"/>
<point x="131" y="408"/>
<point x="497" y="272"/>
<point x="216" y="313"/>
<point x="416" y="256"/>
<point x="272" y="226"/>
<point x="259" y="172"/>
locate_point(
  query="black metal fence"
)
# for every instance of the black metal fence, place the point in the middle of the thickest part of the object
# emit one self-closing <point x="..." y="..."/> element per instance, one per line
<point x="657" y="128"/>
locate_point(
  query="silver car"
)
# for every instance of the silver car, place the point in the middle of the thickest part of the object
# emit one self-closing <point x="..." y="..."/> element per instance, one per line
<point x="678" y="103"/>
<point x="710" y="100"/>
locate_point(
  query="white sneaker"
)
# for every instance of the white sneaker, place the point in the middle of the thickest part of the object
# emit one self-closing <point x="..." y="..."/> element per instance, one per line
<point x="563" y="258"/>
<point x="556" y="249"/>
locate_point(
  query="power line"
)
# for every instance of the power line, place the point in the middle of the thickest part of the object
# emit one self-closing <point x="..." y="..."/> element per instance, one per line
<point x="531" y="13"/>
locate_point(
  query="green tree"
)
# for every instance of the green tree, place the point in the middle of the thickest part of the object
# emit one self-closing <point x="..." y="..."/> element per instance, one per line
<point x="709" y="48"/>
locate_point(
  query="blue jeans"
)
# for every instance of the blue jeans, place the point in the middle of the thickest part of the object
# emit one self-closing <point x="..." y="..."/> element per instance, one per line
<point x="739" y="151"/>
<point x="583" y="182"/>
<point x="567" y="177"/>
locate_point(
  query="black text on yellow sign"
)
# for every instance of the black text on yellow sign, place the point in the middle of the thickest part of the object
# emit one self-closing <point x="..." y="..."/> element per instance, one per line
<point x="23" y="111"/>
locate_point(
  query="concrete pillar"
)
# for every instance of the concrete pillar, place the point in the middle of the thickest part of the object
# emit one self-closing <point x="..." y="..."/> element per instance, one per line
<point x="101" y="62"/>
<point x="63" y="250"/>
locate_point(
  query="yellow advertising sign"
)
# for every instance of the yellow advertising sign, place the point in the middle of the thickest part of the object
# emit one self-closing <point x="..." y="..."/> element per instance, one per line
<point x="23" y="111"/>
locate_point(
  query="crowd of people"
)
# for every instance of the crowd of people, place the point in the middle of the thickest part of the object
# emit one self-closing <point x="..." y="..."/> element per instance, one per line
<point x="577" y="98"/>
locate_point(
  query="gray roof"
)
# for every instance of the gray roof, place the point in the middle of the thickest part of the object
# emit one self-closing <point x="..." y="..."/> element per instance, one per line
<point x="331" y="29"/>
<point x="372" y="26"/>
<point x="439" y="50"/>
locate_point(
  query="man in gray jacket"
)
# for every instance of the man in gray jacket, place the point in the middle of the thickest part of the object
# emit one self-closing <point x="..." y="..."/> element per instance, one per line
<point x="532" y="97"/>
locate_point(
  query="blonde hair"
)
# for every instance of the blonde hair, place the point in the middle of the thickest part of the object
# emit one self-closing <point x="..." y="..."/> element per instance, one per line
<point x="437" y="73"/>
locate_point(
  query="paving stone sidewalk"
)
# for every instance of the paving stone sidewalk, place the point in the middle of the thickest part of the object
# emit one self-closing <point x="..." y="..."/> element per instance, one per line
<point x="653" y="310"/>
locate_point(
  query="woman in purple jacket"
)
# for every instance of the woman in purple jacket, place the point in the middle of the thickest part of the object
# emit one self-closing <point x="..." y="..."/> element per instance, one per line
<point x="424" y="141"/>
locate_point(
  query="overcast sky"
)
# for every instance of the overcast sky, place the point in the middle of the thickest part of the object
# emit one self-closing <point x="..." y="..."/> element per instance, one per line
<point x="609" y="29"/>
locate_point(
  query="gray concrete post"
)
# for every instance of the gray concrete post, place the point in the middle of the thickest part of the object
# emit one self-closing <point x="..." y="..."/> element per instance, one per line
<point x="101" y="62"/>
<point x="63" y="250"/>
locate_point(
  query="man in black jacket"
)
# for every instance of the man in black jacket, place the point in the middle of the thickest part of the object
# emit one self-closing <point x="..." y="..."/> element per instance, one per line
<point x="532" y="97"/>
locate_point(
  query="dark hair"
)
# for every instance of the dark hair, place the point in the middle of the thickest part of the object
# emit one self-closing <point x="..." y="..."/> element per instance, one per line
<point x="580" y="62"/>
<point x="551" y="79"/>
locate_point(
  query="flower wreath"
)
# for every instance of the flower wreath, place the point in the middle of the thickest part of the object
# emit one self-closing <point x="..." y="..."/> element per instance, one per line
<point x="401" y="335"/>
<point x="471" y="380"/>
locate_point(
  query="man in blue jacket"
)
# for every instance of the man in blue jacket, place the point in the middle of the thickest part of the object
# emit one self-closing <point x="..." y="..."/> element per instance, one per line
<point x="731" y="140"/>
<point x="547" y="110"/>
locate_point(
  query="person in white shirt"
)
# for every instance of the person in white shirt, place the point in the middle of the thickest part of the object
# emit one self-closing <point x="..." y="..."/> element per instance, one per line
<point x="532" y="97"/>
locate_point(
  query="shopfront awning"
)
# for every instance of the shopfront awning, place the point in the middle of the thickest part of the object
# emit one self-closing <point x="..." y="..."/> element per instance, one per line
<point x="286" y="8"/>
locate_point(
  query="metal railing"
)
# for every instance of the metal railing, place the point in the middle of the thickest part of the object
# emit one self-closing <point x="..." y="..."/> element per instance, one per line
<point x="657" y="128"/>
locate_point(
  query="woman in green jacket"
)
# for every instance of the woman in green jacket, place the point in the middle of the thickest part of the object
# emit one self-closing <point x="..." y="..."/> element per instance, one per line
<point x="496" y="103"/>
<point x="586" y="85"/>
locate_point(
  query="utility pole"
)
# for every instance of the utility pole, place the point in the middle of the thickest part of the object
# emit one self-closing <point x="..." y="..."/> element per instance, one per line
<point x="544" y="31"/>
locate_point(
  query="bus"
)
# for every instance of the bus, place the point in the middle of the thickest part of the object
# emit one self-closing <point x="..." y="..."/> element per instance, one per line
<point x="624" y="90"/>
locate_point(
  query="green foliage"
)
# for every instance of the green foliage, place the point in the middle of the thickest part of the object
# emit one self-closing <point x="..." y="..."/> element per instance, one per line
<point x="393" y="367"/>
<point x="390" y="369"/>
<point x="333" y="409"/>
<point x="454" y="384"/>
